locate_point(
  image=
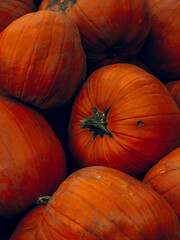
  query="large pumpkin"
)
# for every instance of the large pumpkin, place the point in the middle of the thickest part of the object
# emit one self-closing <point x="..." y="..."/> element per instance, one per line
<point x="164" y="178"/>
<point x="163" y="43"/>
<point x="13" y="9"/>
<point x="109" y="29"/>
<point x="31" y="157"/>
<point x="174" y="89"/>
<point x="41" y="59"/>
<point x="102" y="203"/>
<point x="125" y="118"/>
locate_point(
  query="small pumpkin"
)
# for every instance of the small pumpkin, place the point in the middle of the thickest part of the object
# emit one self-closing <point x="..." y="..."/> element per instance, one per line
<point x="41" y="59"/>
<point x="13" y="9"/>
<point x="32" y="159"/>
<point x="124" y="118"/>
<point x="174" y="89"/>
<point x="164" y="178"/>
<point x="103" y="203"/>
<point x="27" y="227"/>
<point x="162" y="47"/>
<point x="110" y="30"/>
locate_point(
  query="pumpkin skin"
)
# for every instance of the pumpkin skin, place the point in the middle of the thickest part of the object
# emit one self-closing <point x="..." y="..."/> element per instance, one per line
<point x="174" y="89"/>
<point x="104" y="36"/>
<point x="163" y="43"/>
<point x="13" y="9"/>
<point x="27" y="227"/>
<point x="103" y="203"/>
<point x="164" y="178"/>
<point x="41" y="59"/>
<point x="138" y="121"/>
<point x="32" y="159"/>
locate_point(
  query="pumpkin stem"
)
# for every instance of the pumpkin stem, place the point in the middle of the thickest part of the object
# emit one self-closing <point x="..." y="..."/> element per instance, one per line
<point x="97" y="123"/>
<point x="43" y="200"/>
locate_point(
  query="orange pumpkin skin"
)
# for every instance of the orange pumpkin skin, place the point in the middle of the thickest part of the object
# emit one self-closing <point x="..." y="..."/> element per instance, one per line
<point x="103" y="203"/>
<point x="32" y="159"/>
<point x="138" y="120"/>
<point x="163" y="43"/>
<point x="13" y="9"/>
<point x="41" y="59"/>
<point x="164" y="178"/>
<point x="120" y="31"/>
<point x="174" y="89"/>
<point x="27" y="227"/>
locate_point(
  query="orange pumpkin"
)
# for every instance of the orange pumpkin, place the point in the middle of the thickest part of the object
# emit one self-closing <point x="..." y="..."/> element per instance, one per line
<point x="13" y="9"/>
<point x="174" y="89"/>
<point x="32" y="159"/>
<point x="125" y="118"/>
<point x="41" y="59"/>
<point x="110" y="30"/>
<point x="164" y="178"/>
<point x="27" y="227"/>
<point x="103" y="203"/>
<point x="163" y="43"/>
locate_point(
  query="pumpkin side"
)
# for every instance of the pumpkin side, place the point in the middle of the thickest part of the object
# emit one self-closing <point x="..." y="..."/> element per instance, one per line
<point x="123" y="117"/>
<point x="105" y="37"/>
<point x="174" y="89"/>
<point x="50" y="40"/>
<point x="32" y="160"/>
<point x="103" y="203"/>
<point x="164" y="178"/>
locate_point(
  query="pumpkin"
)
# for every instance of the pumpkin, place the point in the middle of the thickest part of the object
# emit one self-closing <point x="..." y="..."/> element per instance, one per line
<point x="103" y="203"/>
<point x="41" y="59"/>
<point x="110" y="30"/>
<point x="163" y="43"/>
<point x="13" y="9"/>
<point x="164" y="178"/>
<point x="32" y="159"/>
<point x="174" y="89"/>
<point x="26" y="228"/>
<point x="124" y="118"/>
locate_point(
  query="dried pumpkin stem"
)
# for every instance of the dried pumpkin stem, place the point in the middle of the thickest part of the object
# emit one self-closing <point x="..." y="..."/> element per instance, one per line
<point x="43" y="200"/>
<point x="97" y="123"/>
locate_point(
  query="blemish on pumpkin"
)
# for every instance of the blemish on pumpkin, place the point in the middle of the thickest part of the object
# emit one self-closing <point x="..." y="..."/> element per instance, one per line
<point x="96" y="221"/>
<point x="125" y="186"/>
<point x="162" y="171"/>
<point x="140" y="123"/>
<point x="98" y="177"/>
<point x="64" y="6"/>
<point x="78" y="177"/>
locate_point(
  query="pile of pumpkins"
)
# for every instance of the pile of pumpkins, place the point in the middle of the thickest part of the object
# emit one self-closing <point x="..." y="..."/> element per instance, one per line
<point x="95" y="83"/>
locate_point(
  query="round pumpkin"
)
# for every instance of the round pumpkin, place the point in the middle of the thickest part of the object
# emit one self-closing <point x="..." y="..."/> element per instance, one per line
<point x="13" y="9"/>
<point x="174" y="89"/>
<point x="41" y="59"/>
<point x="164" y="178"/>
<point x="124" y="118"/>
<point x="163" y="43"/>
<point x="32" y="159"/>
<point x="27" y="227"/>
<point x="110" y="30"/>
<point x="103" y="203"/>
